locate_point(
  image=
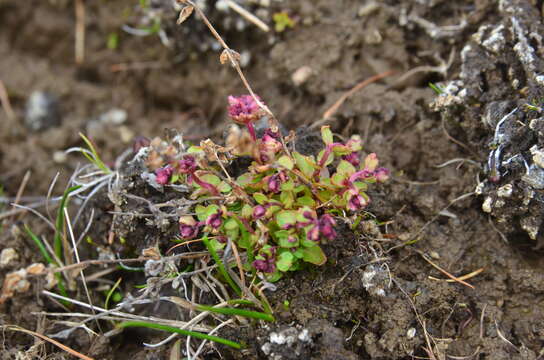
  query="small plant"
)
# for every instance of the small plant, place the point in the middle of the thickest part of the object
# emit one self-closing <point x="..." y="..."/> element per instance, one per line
<point x="282" y="208"/>
<point x="282" y="21"/>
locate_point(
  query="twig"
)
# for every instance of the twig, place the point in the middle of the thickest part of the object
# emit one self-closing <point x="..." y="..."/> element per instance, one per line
<point x="332" y="110"/>
<point x="229" y="53"/>
<point x="78" y="260"/>
<point x="444" y="271"/>
<point x="21" y="189"/>
<point x="464" y="277"/>
<point x="4" y="100"/>
<point x="248" y="16"/>
<point x="45" y="338"/>
<point x="80" y="31"/>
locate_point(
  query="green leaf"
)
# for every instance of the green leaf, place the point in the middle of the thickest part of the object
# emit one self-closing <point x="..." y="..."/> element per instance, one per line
<point x="272" y="210"/>
<point x="325" y="195"/>
<point x="345" y="168"/>
<point x="275" y="276"/>
<point x="247" y="211"/>
<point x="299" y="254"/>
<point x="286" y="218"/>
<point x="285" y="260"/>
<point x="203" y="212"/>
<point x="244" y="179"/>
<point x="232" y="228"/>
<point x="314" y="255"/>
<point x="288" y="186"/>
<point x="338" y="179"/>
<point x="306" y="201"/>
<point x="285" y="243"/>
<point x="326" y="134"/>
<point x="224" y="187"/>
<point x="260" y="198"/>
<point x="195" y="150"/>
<point x="217" y="245"/>
<point x="329" y="161"/>
<point x="211" y="179"/>
<point x="340" y="150"/>
<point x="305" y="164"/>
<point x="287" y="199"/>
<point x="286" y="162"/>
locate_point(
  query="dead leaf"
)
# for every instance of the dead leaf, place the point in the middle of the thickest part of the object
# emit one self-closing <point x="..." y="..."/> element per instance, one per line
<point x="185" y="13"/>
<point x="224" y="58"/>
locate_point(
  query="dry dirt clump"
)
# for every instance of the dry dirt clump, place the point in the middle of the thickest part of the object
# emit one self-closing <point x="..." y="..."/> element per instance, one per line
<point x="502" y="71"/>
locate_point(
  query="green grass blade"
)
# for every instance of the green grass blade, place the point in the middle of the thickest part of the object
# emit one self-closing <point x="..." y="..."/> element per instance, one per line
<point x="41" y="246"/>
<point x="95" y="159"/>
<point x="239" y="312"/>
<point x="59" y="225"/>
<point x="221" y="266"/>
<point x="110" y="293"/>
<point x="181" y="332"/>
<point x="240" y="302"/>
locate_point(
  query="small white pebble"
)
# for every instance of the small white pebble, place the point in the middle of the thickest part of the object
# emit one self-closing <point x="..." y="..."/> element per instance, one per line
<point x="304" y="336"/>
<point x="8" y="255"/>
<point x="505" y="191"/>
<point x="301" y="75"/>
<point x="486" y="206"/>
<point x="276" y="338"/>
<point x="411" y="333"/>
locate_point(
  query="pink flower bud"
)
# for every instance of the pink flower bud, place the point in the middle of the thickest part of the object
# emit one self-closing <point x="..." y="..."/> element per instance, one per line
<point x="245" y="110"/>
<point x="381" y="174"/>
<point x="326" y="227"/>
<point x="163" y="175"/>
<point x="215" y="220"/>
<point x="242" y="106"/>
<point x="188" y="227"/>
<point x="187" y="165"/>
<point x="274" y="183"/>
<point x="313" y="233"/>
<point x="258" y="212"/>
<point x="357" y="202"/>
<point x="353" y="159"/>
<point x="265" y="266"/>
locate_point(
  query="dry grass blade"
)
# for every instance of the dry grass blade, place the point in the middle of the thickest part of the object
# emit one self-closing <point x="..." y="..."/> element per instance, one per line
<point x="45" y="338"/>
<point x="248" y="16"/>
<point x="80" y="31"/>
<point x="4" y="100"/>
<point x="21" y="189"/>
<point x="444" y="271"/>
<point x="464" y="277"/>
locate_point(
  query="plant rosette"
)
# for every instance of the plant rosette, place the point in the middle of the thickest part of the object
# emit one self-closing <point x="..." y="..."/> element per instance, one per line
<point x="280" y="210"/>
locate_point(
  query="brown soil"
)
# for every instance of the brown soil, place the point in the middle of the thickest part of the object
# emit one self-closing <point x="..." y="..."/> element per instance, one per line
<point x="355" y="307"/>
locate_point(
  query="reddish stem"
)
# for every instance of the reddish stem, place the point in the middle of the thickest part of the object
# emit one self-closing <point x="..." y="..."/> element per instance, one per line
<point x="251" y="130"/>
<point x="212" y="189"/>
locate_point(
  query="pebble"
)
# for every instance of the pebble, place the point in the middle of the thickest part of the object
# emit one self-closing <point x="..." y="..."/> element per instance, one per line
<point x="7" y="256"/>
<point x="42" y="111"/>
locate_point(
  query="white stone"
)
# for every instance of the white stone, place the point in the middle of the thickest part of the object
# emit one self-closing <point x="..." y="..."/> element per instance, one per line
<point x="8" y="255"/>
<point x="505" y="191"/>
<point x="486" y="206"/>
